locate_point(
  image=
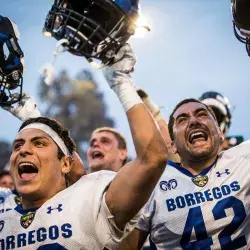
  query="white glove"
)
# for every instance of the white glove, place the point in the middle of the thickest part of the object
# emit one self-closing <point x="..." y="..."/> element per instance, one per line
<point x="119" y="71"/>
<point x="152" y="107"/>
<point x="118" y="77"/>
<point x="25" y="109"/>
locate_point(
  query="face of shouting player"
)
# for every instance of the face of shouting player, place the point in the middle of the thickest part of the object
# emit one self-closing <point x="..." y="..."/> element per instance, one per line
<point x="104" y="152"/>
<point x="37" y="172"/>
<point x="197" y="136"/>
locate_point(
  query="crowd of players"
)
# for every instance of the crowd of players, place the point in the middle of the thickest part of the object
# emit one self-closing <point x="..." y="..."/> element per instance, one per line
<point x="187" y="188"/>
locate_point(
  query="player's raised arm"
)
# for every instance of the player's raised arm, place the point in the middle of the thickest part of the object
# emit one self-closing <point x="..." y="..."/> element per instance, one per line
<point x="163" y="125"/>
<point x="133" y="185"/>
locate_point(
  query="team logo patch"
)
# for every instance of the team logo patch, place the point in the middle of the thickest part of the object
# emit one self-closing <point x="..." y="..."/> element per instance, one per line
<point x="1" y="225"/>
<point x="18" y="200"/>
<point x="27" y="219"/>
<point x="200" y="181"/>
<point x="168" y="185"/>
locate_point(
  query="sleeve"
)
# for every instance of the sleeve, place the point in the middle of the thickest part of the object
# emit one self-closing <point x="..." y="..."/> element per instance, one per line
<point x="245" y="148"/>
<point x="241" y="150"/>
<point x="106" y="220"/>
<point x="7" y="198"/>
<point x="106" y="229"/>
<point x="145" y="221"/>
<point x="4" y="194"/>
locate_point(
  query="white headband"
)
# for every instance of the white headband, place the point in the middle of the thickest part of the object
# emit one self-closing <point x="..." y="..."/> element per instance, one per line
<point x="48" y="130"/>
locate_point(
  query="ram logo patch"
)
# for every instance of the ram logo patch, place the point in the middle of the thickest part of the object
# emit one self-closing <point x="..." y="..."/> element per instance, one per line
<point x="27" y="219"/>
<point x="200" y="181"/>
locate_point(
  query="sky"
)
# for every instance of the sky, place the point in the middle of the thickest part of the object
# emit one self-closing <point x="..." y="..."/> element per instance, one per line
<point x="190" y="49"/>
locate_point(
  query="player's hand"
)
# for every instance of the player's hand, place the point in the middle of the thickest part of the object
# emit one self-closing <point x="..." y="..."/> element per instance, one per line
<point x="26" y="108"/>
<point x="152" y="107"/>
<point x="123" y="65"/>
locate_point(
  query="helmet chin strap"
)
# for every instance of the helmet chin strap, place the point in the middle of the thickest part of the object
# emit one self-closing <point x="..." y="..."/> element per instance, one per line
<point x="48" y="70"/>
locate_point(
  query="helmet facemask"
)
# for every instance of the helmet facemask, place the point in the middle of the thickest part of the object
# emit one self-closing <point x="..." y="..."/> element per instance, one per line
<point x="11" y="63"/>
<point x="241" y="22"/>
<point x="93" y="29"/>
<point x="221" y="108"/>
<point x="223" y="120"/>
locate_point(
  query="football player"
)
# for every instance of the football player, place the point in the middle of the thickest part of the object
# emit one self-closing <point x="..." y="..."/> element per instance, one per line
<point x="19" y="104"/>
<point x="221" y="108"/>
<point x="241" y="21"/>
<point x="107" y="150"/>
<point x="94" y="213"/>
<point x="202" y="202"/>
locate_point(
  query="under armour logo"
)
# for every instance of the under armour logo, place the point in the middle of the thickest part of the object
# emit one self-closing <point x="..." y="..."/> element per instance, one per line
<point x="220" y="174"/>
<point x="50" y="209"/>
<point x="168" y="185"/>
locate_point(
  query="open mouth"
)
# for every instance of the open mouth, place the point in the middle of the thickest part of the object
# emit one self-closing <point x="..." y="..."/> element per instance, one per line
<point x="97" y="155"/>
<point x="197" y="136"/>
<point x="27" y="171"/>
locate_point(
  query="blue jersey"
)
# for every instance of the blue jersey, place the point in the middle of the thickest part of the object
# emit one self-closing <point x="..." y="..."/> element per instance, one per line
<point x="208" y="211"/>
<point x="75" y="218"/>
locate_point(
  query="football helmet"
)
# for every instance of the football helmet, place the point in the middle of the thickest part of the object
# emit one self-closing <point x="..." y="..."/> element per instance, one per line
<point x="11" y="63"/>
<point x="221" y="107"/>
<point x="241" y="21"/>
<point x="92" y="28"/>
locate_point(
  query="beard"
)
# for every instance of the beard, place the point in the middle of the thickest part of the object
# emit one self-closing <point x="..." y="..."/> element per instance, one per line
<point x="200" y="154"/>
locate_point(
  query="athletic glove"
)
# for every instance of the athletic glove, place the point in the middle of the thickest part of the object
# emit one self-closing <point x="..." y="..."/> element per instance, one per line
<point x="25" y="109"/>
<point x="118" y="76"/>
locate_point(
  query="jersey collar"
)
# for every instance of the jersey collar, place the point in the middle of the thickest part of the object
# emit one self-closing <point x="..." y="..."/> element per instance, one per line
<point x="183" y="170"/>
<point x="20" y="209"/>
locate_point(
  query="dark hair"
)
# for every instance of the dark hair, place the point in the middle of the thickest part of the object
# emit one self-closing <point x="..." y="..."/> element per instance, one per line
<point x="171" y="117"/>
<point x="63" y="133"/>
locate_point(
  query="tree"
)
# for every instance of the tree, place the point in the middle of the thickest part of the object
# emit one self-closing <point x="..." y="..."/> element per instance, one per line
<point x="77" y="104"/>
<point x="5" y="151"/>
